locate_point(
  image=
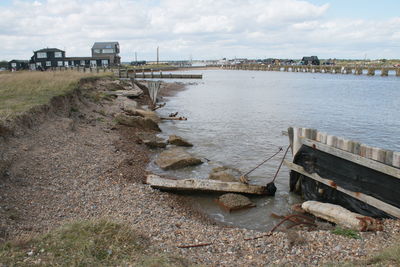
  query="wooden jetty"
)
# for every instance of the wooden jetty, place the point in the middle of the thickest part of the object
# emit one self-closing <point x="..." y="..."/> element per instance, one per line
<point x="331" y="169"/>
<point x="135" y="74"/>
<point x="332" y="69"/>
<point x="206" y="185"/>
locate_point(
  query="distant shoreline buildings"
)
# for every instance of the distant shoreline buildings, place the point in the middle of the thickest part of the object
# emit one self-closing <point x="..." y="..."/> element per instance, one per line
<point x="104" y="54"/>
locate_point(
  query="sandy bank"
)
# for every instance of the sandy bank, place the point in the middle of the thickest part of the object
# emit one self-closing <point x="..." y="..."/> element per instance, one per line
<point x="78" y="164"/>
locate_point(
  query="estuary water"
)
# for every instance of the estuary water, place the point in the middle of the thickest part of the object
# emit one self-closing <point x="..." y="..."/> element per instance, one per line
<point x="236" y="119"/>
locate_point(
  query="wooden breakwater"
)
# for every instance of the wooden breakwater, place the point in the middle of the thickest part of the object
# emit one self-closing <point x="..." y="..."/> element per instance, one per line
<point x="332" y="169"/>
<point x="300" y="135"/>
<point x="354" y="69"/>
<point x="134" y="74"/>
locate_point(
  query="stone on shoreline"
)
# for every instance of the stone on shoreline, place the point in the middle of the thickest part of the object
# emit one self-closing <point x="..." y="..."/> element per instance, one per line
<point x="128" y="105"/>
<point x="176" y="158"/>
<point x="233" y="201"/>
<point x="155" y="143"/>
<point x="225" y="174"/>
<point x="137" y="121"/>
<point x="179" y="141"/>
<point x="132" y="92"/>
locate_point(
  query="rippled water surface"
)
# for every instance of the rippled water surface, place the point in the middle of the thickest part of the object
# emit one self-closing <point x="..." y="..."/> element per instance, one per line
<point x="236" y="118"/>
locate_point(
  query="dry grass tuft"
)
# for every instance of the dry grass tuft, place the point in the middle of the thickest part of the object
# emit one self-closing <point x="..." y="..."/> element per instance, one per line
<point x="86" y="243"/>
<point x="20" y="91"/>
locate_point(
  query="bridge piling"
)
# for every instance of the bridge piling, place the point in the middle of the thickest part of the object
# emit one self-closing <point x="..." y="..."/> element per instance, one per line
<point x="371" y="72"/>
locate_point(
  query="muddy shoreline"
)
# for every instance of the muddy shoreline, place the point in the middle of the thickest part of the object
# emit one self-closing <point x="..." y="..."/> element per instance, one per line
<point x="77" y="163"/>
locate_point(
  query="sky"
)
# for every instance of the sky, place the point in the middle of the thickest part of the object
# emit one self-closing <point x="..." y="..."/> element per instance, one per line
<point x="203" y="29"/>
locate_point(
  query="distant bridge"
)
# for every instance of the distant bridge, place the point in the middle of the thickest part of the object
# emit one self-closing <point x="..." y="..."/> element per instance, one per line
<point x="357" y="70"/>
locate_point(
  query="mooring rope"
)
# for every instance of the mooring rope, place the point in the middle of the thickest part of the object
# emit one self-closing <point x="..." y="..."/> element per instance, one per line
<point x="259" y="165"/>
<point x="280" y="165"/>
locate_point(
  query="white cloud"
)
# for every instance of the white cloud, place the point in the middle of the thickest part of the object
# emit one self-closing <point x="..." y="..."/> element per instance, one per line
<point x="202" y="28"/>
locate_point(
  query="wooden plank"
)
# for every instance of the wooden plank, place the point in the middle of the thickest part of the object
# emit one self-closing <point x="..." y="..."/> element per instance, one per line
<point x="389" y="209"/>
<point x="369" y="163"/>
<point x="204" y="185"/>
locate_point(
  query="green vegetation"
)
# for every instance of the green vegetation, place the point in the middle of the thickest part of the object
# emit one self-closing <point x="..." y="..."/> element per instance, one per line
<point x="387" y="257"/>
<point x="86" y="243"/>
<point x="346" y="232"/>
<point x="20" y="91"/>
<point x="4" y="64"/>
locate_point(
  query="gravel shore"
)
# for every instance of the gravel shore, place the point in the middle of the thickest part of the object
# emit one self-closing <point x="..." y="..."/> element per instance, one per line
<point x="81" y="166"/>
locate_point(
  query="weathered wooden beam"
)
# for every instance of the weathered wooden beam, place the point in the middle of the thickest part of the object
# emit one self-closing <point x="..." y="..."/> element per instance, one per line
<point x="389" y="209"/>
<point x="204" y="185"/>
<point x="369" y="163"/>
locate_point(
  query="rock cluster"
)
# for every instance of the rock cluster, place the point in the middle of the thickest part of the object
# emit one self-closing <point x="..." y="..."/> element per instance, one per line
<point x="176" y="158"/>
<point x="231" y="202"/>
<point x="225" y="174"/>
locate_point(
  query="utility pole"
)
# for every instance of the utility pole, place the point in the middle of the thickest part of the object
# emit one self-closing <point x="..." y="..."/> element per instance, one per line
<point x="135" y="57"/>
<point x="158" y="55"/>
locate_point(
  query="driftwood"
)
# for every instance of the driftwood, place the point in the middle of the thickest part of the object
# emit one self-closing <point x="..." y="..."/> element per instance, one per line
<point x="342" y="216"/>
<point x="174" y="118"/>
<point x="203" y="185"/>
<point x="158" y="106"/>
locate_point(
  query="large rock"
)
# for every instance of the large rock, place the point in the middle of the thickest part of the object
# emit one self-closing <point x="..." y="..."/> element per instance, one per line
<point x="176" y="158"/>
<point x="178" y="141"/>
<point x="147" y="114"/>
<point x="233" y="201"/>
<point x="138" y="122"/>
<point x="128" y="105"/>
<point x="155" y="143"/>
<point x="225" y="174"/>
<point x="131" y="93"/>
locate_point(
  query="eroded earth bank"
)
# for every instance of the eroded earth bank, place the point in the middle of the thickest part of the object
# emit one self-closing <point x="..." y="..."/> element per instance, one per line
<point x="72" y="160"/>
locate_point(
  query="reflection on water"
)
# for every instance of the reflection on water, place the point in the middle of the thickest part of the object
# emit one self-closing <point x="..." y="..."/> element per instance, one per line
<point x="236" y="118"/>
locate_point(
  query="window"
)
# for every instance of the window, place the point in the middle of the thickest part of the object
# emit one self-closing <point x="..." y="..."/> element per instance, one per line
<point x="104" y="62"/>
<point x="93" y="63"/>
<point x="59" y="63"/>
<point x="66" y="63"/>
<point x="97" y="51"/>
<point x="38" y="64"/>
<point x="82" y="62"/>
<point x="48" y="63"/>
<point x="106" y="51"/>
<point x="41" y="55"/>
<point x="57" y="54"/>
<point x="108" y="46"/>
<point x="14" y="65"/>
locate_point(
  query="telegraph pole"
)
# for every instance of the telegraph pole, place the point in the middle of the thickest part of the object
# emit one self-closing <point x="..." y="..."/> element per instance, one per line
<point x="158" y="55"/>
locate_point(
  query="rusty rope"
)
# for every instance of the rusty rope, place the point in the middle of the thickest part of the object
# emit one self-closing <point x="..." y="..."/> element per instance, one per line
<point x="280" y="165"/>
<point x="280" y="149"/>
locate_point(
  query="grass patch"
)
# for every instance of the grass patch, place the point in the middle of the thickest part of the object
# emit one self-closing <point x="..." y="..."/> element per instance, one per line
<point x="20" y="91"/>
<point x="346" y="232"/>
<point x="85" y="243"/>
<point x="387" y="257"/>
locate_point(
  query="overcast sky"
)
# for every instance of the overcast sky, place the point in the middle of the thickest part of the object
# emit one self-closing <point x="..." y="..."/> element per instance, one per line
<point x="203" y="29"/>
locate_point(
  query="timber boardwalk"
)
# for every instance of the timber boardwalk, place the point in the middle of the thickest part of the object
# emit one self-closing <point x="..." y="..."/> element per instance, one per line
<point x="336" y="69"/>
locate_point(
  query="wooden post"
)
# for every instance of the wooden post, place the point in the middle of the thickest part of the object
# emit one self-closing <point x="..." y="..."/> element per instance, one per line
<point x="127" y="73"/>
<point x="371" y="72"/>
<point x="397" y="71"/>
<point x="119" y="71"/>
<point x="384" y="72"/>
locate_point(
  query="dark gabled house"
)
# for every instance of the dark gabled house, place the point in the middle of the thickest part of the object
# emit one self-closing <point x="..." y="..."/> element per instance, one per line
<point x="104" y="54"/>
<point x="47" y="58"/>
<point x="107" y="50"/>
<point x="16" y="64"/>
<point x="313" y="60"/>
